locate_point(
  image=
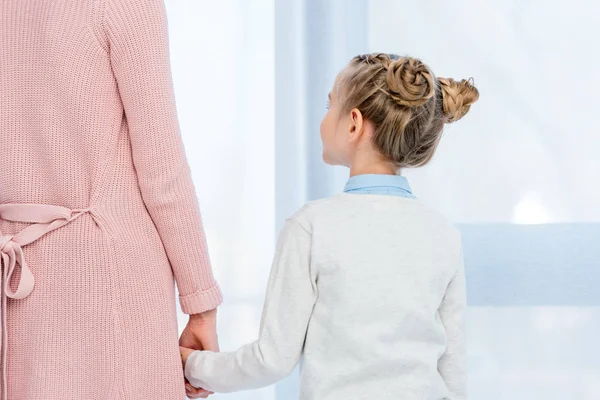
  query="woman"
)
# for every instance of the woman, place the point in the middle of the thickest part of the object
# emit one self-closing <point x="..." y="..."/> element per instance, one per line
<point x="98" y="212"/>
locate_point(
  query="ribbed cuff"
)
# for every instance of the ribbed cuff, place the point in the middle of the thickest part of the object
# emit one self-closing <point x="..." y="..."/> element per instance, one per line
<point x="202" y="300"/>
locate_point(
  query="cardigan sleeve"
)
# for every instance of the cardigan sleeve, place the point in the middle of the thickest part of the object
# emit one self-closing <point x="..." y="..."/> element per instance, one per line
<point x="452" y="364"/>
<point x="289" y="302"/>
<point x="136" y="33"/>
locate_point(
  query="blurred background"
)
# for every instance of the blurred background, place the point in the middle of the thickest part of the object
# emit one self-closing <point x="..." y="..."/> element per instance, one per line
<point x="519" y="175"/>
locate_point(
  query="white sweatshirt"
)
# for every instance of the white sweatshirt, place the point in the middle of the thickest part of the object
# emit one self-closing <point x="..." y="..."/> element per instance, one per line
<point x="369" y="290"/>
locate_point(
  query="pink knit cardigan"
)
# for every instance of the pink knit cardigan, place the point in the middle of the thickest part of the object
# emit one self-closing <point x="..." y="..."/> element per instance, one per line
<point x="98" y="212"/>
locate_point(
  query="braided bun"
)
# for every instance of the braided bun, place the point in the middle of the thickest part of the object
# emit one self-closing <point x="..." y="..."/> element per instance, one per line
<point x="410" y="82"/>
<point x="457" y="97"/>
<point x="405" y="103"/>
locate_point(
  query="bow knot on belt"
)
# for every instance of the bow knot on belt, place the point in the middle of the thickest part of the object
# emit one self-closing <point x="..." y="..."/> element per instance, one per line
<point x="44" y="218"/>
<point x="12" y="255"/>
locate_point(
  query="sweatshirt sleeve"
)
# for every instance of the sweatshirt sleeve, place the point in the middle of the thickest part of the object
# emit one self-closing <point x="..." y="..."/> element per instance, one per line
<point x="452" y="364"/>
<point x="289" y="302"/>
<point x="136" y="34"/>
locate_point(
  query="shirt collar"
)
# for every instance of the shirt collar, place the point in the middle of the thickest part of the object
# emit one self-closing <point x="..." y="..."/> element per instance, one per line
<point x="377" y="180"/>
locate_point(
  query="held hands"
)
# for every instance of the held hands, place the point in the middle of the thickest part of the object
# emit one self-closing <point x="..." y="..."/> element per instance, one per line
<point x="191" y="391"/>
<point x="200" y="333"/>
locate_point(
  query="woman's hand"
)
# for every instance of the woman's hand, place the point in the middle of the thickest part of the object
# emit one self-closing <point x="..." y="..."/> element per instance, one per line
<point x="200" y="333"/>
<point x="185" y="353"/>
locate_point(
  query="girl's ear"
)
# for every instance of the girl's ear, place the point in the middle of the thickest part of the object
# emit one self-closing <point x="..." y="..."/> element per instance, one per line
<point x="356" y="126"/>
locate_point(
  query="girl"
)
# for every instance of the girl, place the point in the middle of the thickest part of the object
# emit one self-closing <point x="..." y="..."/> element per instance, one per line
<point x="367" y="286"/>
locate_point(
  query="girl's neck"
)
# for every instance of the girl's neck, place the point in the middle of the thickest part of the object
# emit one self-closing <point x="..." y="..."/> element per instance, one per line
<point x="384" y="168"/>
<point x="366" y="160"/>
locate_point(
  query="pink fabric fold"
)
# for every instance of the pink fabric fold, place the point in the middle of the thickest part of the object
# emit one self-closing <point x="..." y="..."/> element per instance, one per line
<point x="44" y="218"/>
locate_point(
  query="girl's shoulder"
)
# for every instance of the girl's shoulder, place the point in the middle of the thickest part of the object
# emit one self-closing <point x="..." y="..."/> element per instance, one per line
<point x="314" y="207"/>
<point x="335" y="210"/>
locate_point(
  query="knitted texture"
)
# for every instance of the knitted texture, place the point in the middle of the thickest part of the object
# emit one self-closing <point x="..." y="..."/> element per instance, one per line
<point x="88" y="121"/>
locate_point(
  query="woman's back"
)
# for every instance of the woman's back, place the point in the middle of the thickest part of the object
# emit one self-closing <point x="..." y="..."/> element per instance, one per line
<point x="383" y="265"/>
<point x="59" y="101"/>
<point x="89" y="126"/>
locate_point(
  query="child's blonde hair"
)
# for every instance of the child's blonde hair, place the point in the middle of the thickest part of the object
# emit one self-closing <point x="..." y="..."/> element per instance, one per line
<point x="406" y="103"/>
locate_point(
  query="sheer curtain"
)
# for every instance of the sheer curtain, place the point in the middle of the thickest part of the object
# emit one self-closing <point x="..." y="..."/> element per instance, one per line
<point x="223" y="70"/>
<point x="244" y="71"/>
<point x="518" y="174"/>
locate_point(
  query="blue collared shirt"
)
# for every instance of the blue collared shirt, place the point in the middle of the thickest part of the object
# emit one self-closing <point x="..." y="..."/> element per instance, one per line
<point x="391" y="185"/>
